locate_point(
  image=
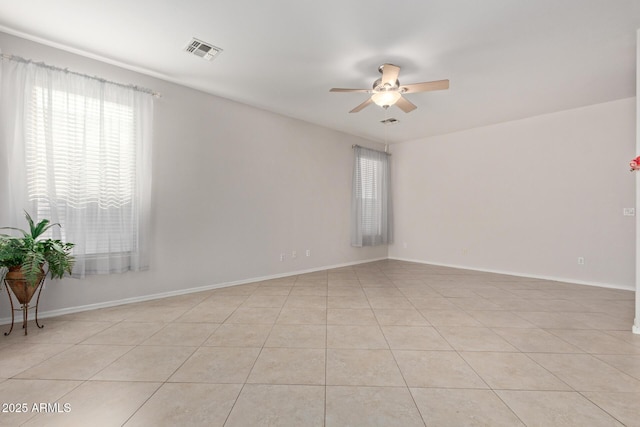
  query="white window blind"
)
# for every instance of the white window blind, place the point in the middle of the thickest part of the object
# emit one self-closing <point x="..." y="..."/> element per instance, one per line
<point x="81" y="155"/>
<point x="371" y="211"/>
<point x="86" y="162"/>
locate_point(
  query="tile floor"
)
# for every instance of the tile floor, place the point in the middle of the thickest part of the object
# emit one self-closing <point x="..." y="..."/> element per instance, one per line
<point x="381" y="344"/>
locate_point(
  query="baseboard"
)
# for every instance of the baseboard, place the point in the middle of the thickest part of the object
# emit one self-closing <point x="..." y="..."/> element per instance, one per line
<point x="77" y="309"/>
<point x="512" y="273"/>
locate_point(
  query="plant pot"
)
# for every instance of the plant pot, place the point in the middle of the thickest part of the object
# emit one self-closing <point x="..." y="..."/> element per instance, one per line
<point x="16" y="281"/>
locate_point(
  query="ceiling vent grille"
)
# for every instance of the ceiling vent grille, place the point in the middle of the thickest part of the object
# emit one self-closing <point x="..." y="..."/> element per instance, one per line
<point x="202" y="49"/>
<point x="390" y="121"/>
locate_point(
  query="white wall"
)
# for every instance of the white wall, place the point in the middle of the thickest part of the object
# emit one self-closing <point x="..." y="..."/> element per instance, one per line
<point x="526" y="197"/>
<point x="234" y="186"/>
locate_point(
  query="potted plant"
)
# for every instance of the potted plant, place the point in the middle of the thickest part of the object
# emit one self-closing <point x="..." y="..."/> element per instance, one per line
<point x="25" y="257"/>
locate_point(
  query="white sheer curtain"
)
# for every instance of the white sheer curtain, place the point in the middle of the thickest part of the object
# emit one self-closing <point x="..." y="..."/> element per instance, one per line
<point x="78" y="152"/>
<point x="371" y="209"/>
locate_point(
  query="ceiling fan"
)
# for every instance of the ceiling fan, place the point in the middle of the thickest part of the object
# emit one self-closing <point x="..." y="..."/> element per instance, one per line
<point x="387" y="90"/>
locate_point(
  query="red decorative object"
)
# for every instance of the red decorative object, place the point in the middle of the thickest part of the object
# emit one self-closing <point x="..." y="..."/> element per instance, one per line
<point x="635" y="164"/>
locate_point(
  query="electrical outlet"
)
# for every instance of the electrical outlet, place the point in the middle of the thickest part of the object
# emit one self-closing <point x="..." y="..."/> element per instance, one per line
<point x="629" y="211"/>
<point x="308" y="252"/>
<point x="281" y="257"/>
<point x="294" y="254"/>
<point x="580" y="260"/>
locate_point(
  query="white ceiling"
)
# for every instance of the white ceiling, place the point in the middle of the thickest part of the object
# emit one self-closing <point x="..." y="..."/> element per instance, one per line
<point x="506" y="59"/>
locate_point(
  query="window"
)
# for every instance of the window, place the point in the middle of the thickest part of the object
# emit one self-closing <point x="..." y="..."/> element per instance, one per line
<point x="371" y="201"/>
<point x="80" y="156"/>
<point x="85" y="146"/>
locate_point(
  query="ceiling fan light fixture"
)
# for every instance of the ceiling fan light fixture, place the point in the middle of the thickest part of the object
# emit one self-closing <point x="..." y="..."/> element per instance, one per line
<point x="386" y="98"/>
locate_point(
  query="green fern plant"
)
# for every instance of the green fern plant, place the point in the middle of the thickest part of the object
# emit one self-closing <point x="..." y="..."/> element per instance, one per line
<point x="31" y="252"/>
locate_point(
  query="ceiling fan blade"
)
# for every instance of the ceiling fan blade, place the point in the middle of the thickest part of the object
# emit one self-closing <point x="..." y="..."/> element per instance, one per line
<point x="426" y="86"/>
<point x="405" y="105"/>
<point x="337" y="89"/>
<point x="361" y="106"/>
<point x="390" y="74"/>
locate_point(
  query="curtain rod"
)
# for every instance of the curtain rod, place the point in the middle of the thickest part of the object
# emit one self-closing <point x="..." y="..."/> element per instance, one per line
<point x="66" y="70"/>
<point x="386" y="148"/>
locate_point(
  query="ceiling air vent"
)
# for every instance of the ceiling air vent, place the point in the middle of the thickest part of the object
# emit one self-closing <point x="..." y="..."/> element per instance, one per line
<point x="202" y="49"/>
<point x="390" y="121"/>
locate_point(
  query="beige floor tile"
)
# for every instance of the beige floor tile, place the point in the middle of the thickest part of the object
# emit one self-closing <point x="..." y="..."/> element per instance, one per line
<point x="464" y="338"/>
<point x="348" y="302"/>
<point x="457" y="293"/>
<point x="297" y="336"/>
<point x="535" y="341"/>
<point x="307" y="301"/>
<point x="27" y="393"/>
<point x="626" y="336"/>
<point x="221" y="365"/>
<point x="599" y="342"/>
<point x="515" y="304"/>
<point x="553" y="320"/>
<point x="584" y="372"/>
<point x="344" y="283"/>
<point x="146" y="363"/>
<point x="254" y="315"/>
<point x="182" y="334"/>
<point x="555" y="408"/>
<point x="495" y="318"/>
<point x="417" y="291"/>
<point x="345" y="291"/>
<point x="432" y="303"/>
<point x="449" y="318"/>
<point x="474" y="303"/>
<point x="351" y="316"/>
<point x="463" y="407"/>
<point x="279" y="282"/>
<point x="18" y="357"/>
<point x="277" y="332"/>
<point x="436" y="369"/>
<point x="204" y="314"/>
<point x="371" y="406"/>
<point x="278" y="405"/>
<point x="622" y="406"/>
<point x="349" y="336"/>
<point x="398" y="303"/>
<point x="98" y="403"/>
<point x="307" y="290"/>
<point x="289" y="366"/>
<point x="378" y="292"/>
<point x="414" y="338"/>
<point x="629" y="364"/>
<point x="59" y="332"/>
<point x="218" y="300"/>
<point x="273" y="291"/>
<point x="558" y="305"/>
<point x="362" y="368"/>
<point x="156" y="314"/>
<point x="400" y="317"/>
<point x="79" y="362"/>
<point x="239" y="335"/>
<point x="303" y="316"/>
<point x="125" y="333"/>
<point x="531" y="294"/>
<point x="512" y="371"/>
<point x="258" y="301"/>
<point x="187" y="404"/>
